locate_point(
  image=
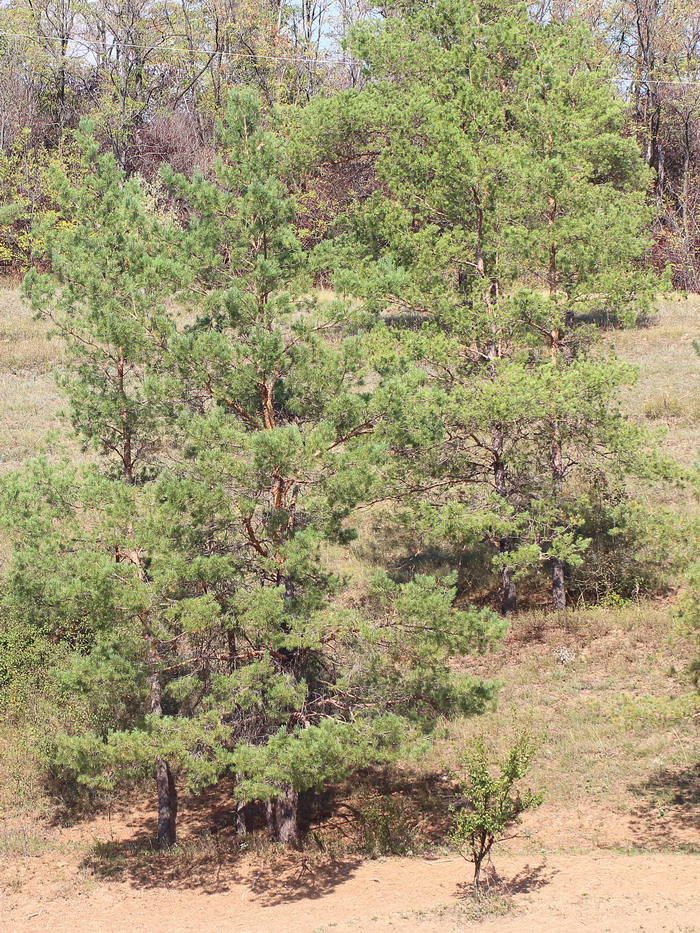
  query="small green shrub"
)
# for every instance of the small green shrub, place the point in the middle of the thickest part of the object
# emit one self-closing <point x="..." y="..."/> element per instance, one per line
<point x="492" y="802"/>
<point x="26" y="655"/>
<point x="689" y="617"/>
<point x="613" y="600"/>
<point x="21" y="841"/>
<point x="653" y="710"/>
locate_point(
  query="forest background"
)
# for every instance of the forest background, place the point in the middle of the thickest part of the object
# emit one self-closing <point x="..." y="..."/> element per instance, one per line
<point x="154" y="78"/>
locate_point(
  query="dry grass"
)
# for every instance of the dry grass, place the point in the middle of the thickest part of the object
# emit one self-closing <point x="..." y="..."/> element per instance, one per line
<point x="22" y="839"/>
<point x="668" y="388"/>
<point x="20" y="782"/>
<point x="30" y="399"/>
<point x="608" y="692"/>
<point x="469" y="909"/>
<point x="24" y="347"/>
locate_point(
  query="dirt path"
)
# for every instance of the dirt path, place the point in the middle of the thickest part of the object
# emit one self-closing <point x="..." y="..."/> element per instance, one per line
<point x="558" y="894"/>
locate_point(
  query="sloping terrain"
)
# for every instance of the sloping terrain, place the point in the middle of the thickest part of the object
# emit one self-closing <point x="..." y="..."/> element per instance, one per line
<point x="615" y="846"/>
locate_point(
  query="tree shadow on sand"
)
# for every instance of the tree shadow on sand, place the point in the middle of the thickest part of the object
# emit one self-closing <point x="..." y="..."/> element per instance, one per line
<point x="668" y="814"/>
<point x="379" y="812"/>
<point x="530" y="878"/>
<point x="217" y="865"/>
<point x="302" y="879"/>
<point x="212" y="858"/>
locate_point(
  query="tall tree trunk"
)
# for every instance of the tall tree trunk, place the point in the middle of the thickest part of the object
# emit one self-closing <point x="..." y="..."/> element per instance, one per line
<point x="61" y="93"/>
<point x="505" y="546"/>
<point x="126" y="453"/>
<point x="687" y="152"/>
<point x="558" y="584"/>
<point x="509" y="593"/>
<point x="283" y="817"/>
<point x="167" y="805"/>
<point x="165" y="782"/>
<point x="558" y="580"/>
<point x="558" y="577"/>
<point x="241" y="820"/>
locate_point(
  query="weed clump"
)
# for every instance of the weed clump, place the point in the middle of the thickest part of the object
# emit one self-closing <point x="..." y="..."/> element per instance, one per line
<point x="663" y="407"/>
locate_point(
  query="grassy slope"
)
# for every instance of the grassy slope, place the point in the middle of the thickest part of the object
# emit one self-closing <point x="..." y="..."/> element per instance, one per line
<point x="30" y="398"/>
<point x="667" y="392"/>
<point x="620" y="762"/>
<point x="608" y="687"/>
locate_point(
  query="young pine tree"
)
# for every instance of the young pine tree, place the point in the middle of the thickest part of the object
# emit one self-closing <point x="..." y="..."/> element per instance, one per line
<point x="280" y="415"/>
<point x="106" y="292"/>
<point x="106" y="296"/>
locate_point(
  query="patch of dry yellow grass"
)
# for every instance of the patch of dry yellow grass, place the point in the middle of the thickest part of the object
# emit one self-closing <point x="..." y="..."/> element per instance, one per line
<point x="609" y="692"/>
<point x="29" y="398"/>
<point x="669" y="369"/>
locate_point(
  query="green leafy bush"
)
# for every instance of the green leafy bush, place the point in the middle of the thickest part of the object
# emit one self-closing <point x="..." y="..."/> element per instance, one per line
<point x="387" y="827"/>
<point x="26" y="656"/>
<point x="492" y="803"/>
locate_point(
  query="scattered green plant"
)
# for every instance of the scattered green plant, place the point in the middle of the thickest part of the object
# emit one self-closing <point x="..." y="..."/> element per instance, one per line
<point x="387" y="826"/>
<point x="492" y="802"/>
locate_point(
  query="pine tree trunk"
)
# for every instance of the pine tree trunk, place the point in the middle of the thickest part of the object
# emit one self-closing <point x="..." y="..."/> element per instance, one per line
<point x="558" y="584"/>
<point x="241" y="823"/>
<point x="283" y="817"/>
<point x="165" y="782"/>
<point x="167" y="805"/>
<point x="126" y="452"/>
<point x="508" y="588"/>
<point x="509" y="596"/>
<point x="558" y="579"/>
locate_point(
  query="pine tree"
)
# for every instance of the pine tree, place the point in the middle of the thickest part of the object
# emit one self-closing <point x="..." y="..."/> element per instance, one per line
<point x="106" y="297"/>
<point x="509" y="212"/>
<point x="214" y="637"/>
<point x="106" y="293"/>
<point x="281" y="414"/>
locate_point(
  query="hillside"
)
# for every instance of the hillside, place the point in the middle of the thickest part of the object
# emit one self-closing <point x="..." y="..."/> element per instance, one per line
<point x="616" y="845"/>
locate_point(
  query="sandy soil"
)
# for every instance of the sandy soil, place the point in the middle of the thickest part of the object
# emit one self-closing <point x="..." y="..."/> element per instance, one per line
<point x="559" y="894"/>
<point x="621" y="863"/>
<point x="561" y="875"/>
<point x="625" y="863"/>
